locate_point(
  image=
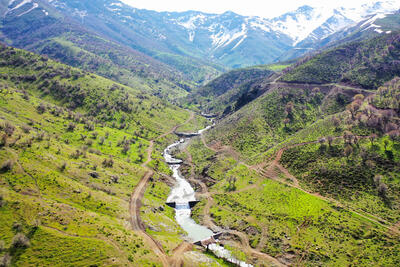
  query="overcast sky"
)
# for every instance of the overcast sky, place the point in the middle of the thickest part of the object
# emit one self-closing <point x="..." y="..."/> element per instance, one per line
<point x="262" y="8"/>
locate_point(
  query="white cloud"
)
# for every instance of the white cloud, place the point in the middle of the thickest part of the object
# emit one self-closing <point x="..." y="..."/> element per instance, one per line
<point x="262" y="8"/>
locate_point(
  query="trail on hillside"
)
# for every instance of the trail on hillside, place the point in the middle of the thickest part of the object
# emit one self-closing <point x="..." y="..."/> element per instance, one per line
<point x="207" y="220"/>
<point x="135" y="201"/>
<point x="271" y="173"/>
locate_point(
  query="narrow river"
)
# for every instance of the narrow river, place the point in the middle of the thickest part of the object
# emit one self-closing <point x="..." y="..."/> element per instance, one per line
<point x="182" y="193"/>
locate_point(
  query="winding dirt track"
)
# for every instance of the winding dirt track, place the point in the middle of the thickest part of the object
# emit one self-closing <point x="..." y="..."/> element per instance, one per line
<point x="270" y="173"/>
<point x="207" y="220"/>
<point x="135" y="201"/>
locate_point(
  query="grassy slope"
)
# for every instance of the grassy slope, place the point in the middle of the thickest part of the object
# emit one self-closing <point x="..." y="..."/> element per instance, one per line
<point x="90" y="214"/>
<point x="69" y="216"/>
<point x="111" y="103"/>
<point x="63" y="39"/>
<point x="295" y="113"/>
<point x="305" y="230"/>
<point x="352" y="180"/>
<point x="368" y="63"/>
<point x="223" y="91"/>
<point x="115" y="62"/>
<point x="260" y="125"/>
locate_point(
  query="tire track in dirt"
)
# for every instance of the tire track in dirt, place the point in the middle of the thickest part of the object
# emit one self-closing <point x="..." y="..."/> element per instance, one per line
<point x="135" y="201"/>
<point x="270" y="173"/>
<point x="208" y="222"/>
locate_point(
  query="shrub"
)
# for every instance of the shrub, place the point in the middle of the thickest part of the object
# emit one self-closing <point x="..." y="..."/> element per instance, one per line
<point x="101" y="140"/>
<point x="89" y="127"/>
<point x="76" y="154"/>
<point x="382" y="190"/>
<point x="40" y="136"/>
<point x="5" y="260"/>
<point x="41" y="108"/>
<point x="377" y="179"/>
<point x="63" y="166"/>
<point x="348" y="151"/>
<point x="94" y="135"/>
<point x="17" y="226"/>
<point x="126" y="148"/>
<point x="114" y="179"/>
<point x="71" y="127"/>
<point x="20" y="241"/>
<point x="108" y="162"/>
<point x="3" y="140"/>
<point x="7" y="166"/>
<point x="94" y="151"/>
<point x="26" y="129"/>
<point x="7" y="127"/>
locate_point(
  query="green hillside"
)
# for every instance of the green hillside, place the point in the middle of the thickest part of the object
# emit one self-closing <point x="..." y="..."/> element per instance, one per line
<point x="368" y="64"/>
<point x="71" y="152"/>
<point x="221" y="94"/>
<point x="308" y="171"/>
<point x="299" y="164"/>
<point x="60" y="37"/>
<point x="276" y="218"/>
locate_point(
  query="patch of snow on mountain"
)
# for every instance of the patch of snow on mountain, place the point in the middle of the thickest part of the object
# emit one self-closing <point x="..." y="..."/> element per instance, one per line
<point x="190" y="24"/>
<point x="241" y="41"/>
<point x="225" y="37"/>
<point x="191" y="36"/>
<point x="35" y="5"/>
<point x="259" y="23"/>
<point x="113" y="9"/>
<point x="80" y="13"/>
<point x="24" y="2"/>
<point x="300" y="24"/>
<point x="373" y="19"/>
<point x="116" y="4"/>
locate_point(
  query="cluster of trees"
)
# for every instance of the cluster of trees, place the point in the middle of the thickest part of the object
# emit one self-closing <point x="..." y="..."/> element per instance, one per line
<point x="292" y="97"/>
<point x="368" y="63"/>
<point x="388" y="96"/>
<point x="381" y="120"/>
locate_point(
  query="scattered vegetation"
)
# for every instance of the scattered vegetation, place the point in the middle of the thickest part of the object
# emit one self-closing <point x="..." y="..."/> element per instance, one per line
<point x="369" y="64"/>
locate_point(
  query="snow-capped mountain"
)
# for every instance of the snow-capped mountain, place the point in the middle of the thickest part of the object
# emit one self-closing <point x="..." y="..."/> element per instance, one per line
<point x="317" y="23"/>
<point x="229" y="39"/>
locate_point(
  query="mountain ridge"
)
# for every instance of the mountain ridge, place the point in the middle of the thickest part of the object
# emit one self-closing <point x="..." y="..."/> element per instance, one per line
<point x="228" y="38"/>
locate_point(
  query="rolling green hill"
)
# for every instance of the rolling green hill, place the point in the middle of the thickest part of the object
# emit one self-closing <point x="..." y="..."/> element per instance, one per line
<point x="62" y="38"/>
<point x="368" y="64"/>
<point x="72" y="145"/>
<point x="233" y="89"/>
<point x="319" y="137"/>
<point x="301" y="168"/>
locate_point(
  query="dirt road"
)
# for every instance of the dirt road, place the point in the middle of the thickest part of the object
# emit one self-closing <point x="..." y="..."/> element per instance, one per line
<point x="135" y="202"/>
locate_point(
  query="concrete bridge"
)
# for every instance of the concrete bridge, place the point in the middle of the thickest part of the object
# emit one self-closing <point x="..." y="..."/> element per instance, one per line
<point x="181" y="206"/>
<point x="208" y="241"/>
<point x="186" y="135"/>
<point x="208" y="115"/>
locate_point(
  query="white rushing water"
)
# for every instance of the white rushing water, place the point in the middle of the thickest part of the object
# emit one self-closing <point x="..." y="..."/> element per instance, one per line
<point x="183" y="193"/>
